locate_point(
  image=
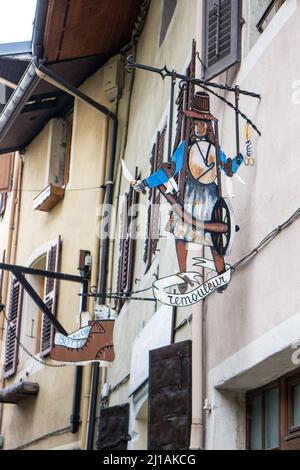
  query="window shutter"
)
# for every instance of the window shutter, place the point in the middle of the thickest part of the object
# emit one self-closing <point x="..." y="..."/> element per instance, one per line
<point x="13" y="329"/>
<point x="127" y="246"/>
<point x="3" y="201"/>
<point x="167" y="15"/>
<point x="50" y="298"/>
<point x="170" y="379"/>
<point x="6" y="169"/>
<point x="184" y="99"/>
<point x="222" y="35"/>
<point x="152" y="237"/>
<point x="113" y="428"/>
<point x="1" y="276"/>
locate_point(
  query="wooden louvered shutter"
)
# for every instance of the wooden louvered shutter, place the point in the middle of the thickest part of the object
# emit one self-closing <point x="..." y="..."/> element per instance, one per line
<point x="6" y="171"/>
<point x="170" y="389"/>
<point x="222" y="36"/>
<point x="13" y="329"/>
<point x="113" y="428"/>
<point x="127" y="245"/>
<point x="153" y="223"/>
<point x="50" y="297"/>
<point x="1" y="276"/>
<point x="184" y="99"/>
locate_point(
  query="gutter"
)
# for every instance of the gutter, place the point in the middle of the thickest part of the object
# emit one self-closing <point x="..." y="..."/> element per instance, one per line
<point x="30" y="79"/>
<point x="18" y="99"/>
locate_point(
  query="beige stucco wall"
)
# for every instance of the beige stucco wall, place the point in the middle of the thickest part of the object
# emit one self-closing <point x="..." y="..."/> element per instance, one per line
<point x="265" y="292"/>
<point x="261" y="295"/>
<point x="75" y="219"/>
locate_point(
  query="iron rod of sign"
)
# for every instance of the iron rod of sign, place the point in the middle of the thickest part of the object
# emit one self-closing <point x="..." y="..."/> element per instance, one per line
<point x="41" y="272"/>
<point x="219" y="178"/>
<point x="165" y="72"/>
<point x="173" y="83"/>
<point x="123" y="297"/>
<point x="39" y="302"/>
<point x="237" y="124"/>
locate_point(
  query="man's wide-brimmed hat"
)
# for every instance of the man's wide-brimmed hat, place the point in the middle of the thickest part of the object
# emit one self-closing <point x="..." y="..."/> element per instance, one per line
<point x="200" y="108"/>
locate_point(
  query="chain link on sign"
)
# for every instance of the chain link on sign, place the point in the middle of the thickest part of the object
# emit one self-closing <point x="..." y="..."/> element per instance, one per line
<point x="26" y="350"/>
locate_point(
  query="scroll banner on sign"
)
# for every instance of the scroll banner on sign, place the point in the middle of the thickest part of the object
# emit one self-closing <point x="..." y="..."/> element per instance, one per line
<point x="200" y="290"/>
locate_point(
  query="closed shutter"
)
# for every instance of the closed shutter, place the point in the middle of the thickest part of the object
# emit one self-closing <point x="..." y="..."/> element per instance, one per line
<point x="113" y="428"/>
<point x="153" y="222"/>
<point x="1" y="276"/>
<point x="6" y="171"/>
<point x="222" y="35"/>
<point x="50" y="298"/>
<point x="184" y="99"/>
<point x="127" y="245"/>
<point x="13" y="329"/>
<point x="170" y="380"/>
<point x="3" y="201"/>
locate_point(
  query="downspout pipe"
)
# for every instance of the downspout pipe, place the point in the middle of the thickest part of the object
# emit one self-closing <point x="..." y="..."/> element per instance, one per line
<point x="103" y="263"/>
<point x="75" y="415"/>
<point x="48" y="75"/>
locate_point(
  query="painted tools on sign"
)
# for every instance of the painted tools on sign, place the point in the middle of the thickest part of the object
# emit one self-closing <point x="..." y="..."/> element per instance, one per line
<point x="249" y="160"/>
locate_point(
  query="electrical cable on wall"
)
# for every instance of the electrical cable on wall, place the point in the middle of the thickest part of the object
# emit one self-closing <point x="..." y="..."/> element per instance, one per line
<point x="265" y="241"/>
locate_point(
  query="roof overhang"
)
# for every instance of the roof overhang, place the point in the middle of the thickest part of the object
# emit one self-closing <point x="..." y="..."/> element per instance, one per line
<point x="73" y="38"/>
<point x="15" y="48"/>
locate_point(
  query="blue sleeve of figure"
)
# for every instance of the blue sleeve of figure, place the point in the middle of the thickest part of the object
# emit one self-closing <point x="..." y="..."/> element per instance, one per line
<point x="160" y="177"/>
<point x="235" y="165"/>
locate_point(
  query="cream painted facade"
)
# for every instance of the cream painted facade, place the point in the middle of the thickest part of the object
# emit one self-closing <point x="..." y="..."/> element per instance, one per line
<point x="261" y="304"/>
<point x="75" y="219"/>
<point x="248" y="332"/>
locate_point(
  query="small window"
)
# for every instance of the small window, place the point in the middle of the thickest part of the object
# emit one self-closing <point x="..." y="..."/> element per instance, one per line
<point x="222" y="35"/>
<point x="296" y="406"/>
<point x="3" y="199"/>
<point x="6" y="172"/>
<point x="154" y="200"/>
<point x="273" y="415"/>
<point x="268" y="11"/>
<point x="60" y="150"/>
<point x="169" y="7"/>
<point x="60" y="139"/>
<point x="32" y="326"/>
<point x="128" y="219"/>
<point x="263" y="411"/>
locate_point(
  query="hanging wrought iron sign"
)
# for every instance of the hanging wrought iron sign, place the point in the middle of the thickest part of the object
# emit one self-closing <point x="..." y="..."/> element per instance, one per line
<point x="191" y="182"/>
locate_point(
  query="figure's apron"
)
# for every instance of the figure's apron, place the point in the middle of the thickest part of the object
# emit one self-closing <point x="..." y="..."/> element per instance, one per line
<point x="200" y="196"/>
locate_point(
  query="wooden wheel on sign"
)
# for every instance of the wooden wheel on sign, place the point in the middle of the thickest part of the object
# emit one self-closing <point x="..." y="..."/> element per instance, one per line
<point x="222" y="213"/>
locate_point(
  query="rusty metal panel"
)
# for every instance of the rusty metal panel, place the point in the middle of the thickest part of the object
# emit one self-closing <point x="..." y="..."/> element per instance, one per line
<point x="113" y="428"/>
<point x="170" y="380"/>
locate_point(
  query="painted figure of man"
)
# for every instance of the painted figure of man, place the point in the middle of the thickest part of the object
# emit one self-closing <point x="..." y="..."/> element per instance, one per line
<point x="200" y="189"/>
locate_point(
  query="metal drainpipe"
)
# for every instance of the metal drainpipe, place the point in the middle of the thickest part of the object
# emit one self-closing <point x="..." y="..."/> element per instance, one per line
<point x="75" y="416"/>
<point x="108" y="199"/>
<point x="51" y="77"/>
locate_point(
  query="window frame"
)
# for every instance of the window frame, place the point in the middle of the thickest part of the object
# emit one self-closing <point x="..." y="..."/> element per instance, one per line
<point x="163" y="33"/>
<point x="293" y="431"/>
<point x="289" y="436"/>
<point x="253" y="394"/>
<point x="234" y="57"/>
<point x="273" y="3"/>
